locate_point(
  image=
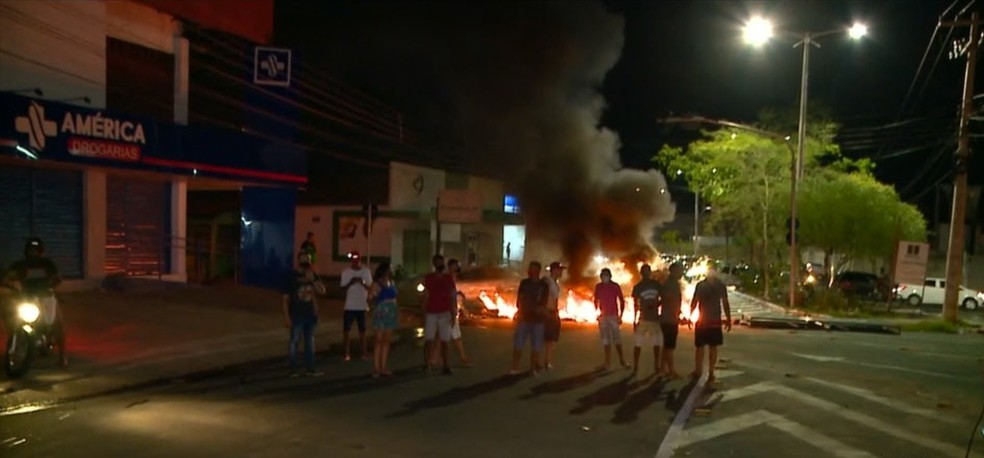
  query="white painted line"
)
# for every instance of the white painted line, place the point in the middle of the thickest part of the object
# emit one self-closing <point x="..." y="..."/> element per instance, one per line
<point x="668" y="445"/>
<point x="726" y="426"/>
<point x="838" y="359"/>
<point x="902" y="407"/>
<point x="726" y="373"/>
<point x="871" y="422"/>
<point x="745" y="391"/>
<point x="762" y="417"/>
<point x="816" y="439"/>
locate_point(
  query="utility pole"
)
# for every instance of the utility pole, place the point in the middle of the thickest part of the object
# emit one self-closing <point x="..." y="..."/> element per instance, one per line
<point x="955" y="251"/>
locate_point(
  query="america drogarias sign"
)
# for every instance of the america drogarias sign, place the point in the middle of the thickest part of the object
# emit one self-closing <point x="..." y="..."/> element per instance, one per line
<point x="83" y="133"/>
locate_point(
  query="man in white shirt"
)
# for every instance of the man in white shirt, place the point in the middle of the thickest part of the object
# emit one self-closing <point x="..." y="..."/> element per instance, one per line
<point x="356" y="280"/>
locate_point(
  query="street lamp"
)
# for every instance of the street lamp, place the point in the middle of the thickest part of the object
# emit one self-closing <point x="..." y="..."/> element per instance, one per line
<point x="757" y="32"/>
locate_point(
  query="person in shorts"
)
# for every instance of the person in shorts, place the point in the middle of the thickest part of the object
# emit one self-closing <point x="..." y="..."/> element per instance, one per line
<point x="531" y="301"/>
<point x="356" y="280"/>
<point x="646" y="322"/>
<point x="671" y="300"/>
<point x="710" y="296"/>
<point x="439" y="288"/>
<point x="551" y="327"/>
<point x="610" y="304"/>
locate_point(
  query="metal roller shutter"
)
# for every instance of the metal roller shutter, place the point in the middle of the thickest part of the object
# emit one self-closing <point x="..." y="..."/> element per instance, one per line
<point x="46" y="204"/>
<point x="137" y="217"/>
<point x="15" y="212"/>
<point x="58" y="218"/>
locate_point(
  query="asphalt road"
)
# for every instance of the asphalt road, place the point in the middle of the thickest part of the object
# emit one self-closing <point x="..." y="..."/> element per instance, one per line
<point x="781" y="394"/>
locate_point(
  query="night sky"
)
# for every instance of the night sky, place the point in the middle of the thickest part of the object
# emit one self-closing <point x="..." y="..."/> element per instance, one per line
<point x="677" y="57"/>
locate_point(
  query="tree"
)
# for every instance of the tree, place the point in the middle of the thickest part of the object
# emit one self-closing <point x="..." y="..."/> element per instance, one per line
<point x="671" y="238"/>
<point x="853" y="216"/>
<point x="745" y="176"/>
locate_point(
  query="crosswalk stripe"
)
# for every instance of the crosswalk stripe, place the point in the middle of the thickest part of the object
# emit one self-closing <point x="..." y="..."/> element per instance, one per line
<point x="871" y="422"/>
<point x="762" y="417"/>
<point x="902" y="407"/>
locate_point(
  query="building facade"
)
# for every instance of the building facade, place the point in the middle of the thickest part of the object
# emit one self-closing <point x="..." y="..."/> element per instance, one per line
<point x="98" y="159"/>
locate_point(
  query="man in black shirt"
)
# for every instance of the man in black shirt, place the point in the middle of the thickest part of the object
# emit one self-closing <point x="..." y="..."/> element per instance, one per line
<point x="532" y="304"/>
<point x="301" y="311"/>
<point x="36" y="275"/>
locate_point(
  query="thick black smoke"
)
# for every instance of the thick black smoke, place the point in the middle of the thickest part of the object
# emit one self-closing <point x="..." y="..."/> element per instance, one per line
<point x="515" y="86"/>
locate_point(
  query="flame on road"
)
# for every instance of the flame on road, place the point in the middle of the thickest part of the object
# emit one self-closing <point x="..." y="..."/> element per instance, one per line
<point x="578" y="305"/>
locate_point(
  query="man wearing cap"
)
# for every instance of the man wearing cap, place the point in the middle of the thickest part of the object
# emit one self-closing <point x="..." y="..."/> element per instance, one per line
<point x="551" y="329"/>
<point x="356" y="280"/>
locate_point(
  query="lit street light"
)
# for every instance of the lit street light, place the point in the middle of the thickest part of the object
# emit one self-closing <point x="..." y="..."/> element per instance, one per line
<point x="757" y="32"/>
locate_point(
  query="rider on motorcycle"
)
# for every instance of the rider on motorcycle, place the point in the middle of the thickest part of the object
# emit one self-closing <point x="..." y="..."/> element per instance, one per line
<point x="37" y="276"/>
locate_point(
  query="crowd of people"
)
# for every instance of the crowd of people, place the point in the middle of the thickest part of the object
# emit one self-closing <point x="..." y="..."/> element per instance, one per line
<point x="658" y="303"/>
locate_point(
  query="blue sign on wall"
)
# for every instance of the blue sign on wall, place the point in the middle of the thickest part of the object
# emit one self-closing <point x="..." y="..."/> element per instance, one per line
<point x="271" y="66"/>
<point x="67" y="133"/>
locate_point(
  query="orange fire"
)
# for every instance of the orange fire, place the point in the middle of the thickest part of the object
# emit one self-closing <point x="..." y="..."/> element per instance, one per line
<point x="579" y="304"/>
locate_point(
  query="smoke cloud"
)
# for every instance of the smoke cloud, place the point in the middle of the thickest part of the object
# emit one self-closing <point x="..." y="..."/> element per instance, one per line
<point x="517" y="89"/>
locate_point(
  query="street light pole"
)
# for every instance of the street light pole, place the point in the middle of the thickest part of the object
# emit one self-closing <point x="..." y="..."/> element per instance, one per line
<point x="796" y="173"/>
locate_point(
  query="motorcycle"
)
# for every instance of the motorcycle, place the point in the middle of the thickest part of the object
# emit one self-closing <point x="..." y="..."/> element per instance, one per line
<point x="31" y="335"/>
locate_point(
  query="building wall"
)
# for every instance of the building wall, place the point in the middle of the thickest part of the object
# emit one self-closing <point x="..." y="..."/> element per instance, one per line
<point x="60" y="47"/>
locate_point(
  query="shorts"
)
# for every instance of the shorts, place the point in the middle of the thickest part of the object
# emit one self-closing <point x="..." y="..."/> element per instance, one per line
<point x="437" y="326"/>
<point x="670" y="332"/>
<point x="648" y="334"/>
<point x="708" y="336"/>
<point x="354" y="315"/>
<point x="528" y="330"/>
<point x="551" y="328"/>
<point x="610" y="328"/>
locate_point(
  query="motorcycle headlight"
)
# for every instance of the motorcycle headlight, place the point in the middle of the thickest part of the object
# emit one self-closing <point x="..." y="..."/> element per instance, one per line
<point x="420" y="287"/>
<point x="28" y="312"/>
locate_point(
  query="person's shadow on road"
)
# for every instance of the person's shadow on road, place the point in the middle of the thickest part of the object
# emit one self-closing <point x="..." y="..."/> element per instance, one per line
<point x="458" y="395"/>
<point x="565" y="384"/>
<point x="629" y="410"/>
<point x="608" y="395"/>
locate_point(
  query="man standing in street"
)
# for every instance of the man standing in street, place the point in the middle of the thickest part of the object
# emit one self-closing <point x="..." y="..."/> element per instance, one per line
<point x="671" y="299"/>
<point x="551" y="327"/>
<point x="710" y="296"/>
<point x="531" y="301"/>
<point x="301" y="312"/>
<point x="646" y="321"/>
<point x="610" y="304"/>
<point x="439" y="304"/>
<point x="356" y="280"/>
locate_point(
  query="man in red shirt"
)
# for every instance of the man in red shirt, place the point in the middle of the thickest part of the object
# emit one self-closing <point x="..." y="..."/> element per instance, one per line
<point x="439" y="302"/>
<point x="610" y="304"/>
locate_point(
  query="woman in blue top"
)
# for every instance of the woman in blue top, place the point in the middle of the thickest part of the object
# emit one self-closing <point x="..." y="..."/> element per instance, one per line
<point x="384" y="317"/>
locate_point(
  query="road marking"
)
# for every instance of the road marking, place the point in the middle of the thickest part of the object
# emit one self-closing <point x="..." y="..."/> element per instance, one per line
<point x="726" y="373"/>
<point x="668" y="445"/>
<point x="871" y="422"/>
<point x="762" y="417"/>
<point x="863" y="393"/>
<point x="745" y="391"/>
<point x="838" y="359"/>
<point x="823" y="359"/>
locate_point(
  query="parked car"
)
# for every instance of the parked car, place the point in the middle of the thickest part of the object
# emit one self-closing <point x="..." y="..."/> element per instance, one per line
<point x="861" y="285"/>
<point x="933" y="291"/>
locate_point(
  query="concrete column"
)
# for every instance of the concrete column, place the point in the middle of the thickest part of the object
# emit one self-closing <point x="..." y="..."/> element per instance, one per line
<point x="94" y="232"/>
<point x="179" y="228"/>
<point x="181" y="68"/>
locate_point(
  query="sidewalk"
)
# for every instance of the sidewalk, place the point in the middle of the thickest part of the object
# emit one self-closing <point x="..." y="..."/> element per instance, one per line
<point x="119" y="340"/>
